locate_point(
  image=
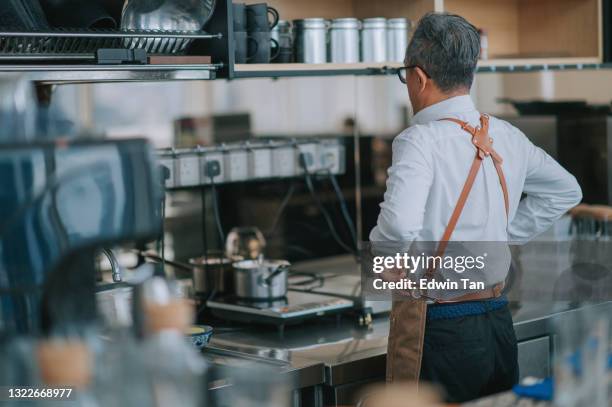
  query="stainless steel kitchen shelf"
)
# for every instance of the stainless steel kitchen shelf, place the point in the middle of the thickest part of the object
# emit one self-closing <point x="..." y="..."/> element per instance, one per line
<point x="65" y="74"/>
<point x="508" y="65"/>
<point x="299" y="69"/>
<point x="63" y="43"/>
<point x="542" y="66"/>
<point x="47" y="56"/>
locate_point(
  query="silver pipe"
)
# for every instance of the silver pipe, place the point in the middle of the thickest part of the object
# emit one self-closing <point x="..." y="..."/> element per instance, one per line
<point x="115" y="268"/>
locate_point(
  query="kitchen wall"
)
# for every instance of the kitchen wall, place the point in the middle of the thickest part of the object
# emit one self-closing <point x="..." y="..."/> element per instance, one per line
<point x="300" y="105"/>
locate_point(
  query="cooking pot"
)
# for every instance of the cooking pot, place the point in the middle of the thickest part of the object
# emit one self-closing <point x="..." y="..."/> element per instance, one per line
<point x="114" y="303"/>
<point x="212" y="274"/>
<point x="260" y="279"/>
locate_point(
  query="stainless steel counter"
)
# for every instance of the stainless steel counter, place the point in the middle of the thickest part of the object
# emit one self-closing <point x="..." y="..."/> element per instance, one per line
<point x="329" y="353"/>
<point x="349" y="352"/>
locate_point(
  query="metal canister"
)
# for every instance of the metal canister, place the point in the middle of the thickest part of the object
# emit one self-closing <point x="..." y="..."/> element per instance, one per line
<point x="397" y="38"/>
<point x="212" y="273"/>
<point x="310" y="40"/>
<point x="344" y="40"/>
<point x="281" y="33"/>
<point x="374" y="40"/>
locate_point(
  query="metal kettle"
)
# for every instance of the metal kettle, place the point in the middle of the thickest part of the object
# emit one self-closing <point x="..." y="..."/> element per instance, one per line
<point x="245" y="243"/>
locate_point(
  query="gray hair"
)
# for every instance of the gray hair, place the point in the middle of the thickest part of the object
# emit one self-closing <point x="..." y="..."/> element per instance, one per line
<point x="447" y="47"/>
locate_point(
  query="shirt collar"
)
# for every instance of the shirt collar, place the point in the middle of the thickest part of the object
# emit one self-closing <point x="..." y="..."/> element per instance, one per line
<point x="449" y="107"/>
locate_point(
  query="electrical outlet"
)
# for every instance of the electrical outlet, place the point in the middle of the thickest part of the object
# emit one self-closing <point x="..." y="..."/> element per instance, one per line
<point x="284" y="162"/>
<point x="168" y="164"/>
<point x="332" y="157"/>
<point x="260" y="163"/>
<point x="212" y="166"/>
<point x="308" y="154"/>
<point x="236" y="165"/>
<point x="188" y="173"/>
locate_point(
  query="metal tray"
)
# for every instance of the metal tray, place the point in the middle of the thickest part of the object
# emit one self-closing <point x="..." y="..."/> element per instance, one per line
<point x="65" y="44"/>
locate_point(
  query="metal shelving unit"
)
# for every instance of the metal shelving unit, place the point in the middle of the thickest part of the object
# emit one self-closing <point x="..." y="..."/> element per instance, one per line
<point x="67" y="74"/>
<point x="61" y="43"/>
<point x="70" y="56"/>
<point x="63" y="56"/>
<point x="298" y="69"/>
<point x="508" y="65"/>
<point x="592" y="26"/>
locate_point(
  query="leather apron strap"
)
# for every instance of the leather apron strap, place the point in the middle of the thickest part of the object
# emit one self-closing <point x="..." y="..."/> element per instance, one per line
<point x="408" y="317"/>
<point x="484" y="149"/>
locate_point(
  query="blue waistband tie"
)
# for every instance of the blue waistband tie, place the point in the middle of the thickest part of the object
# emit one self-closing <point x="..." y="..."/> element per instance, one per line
<point x="464" y="309"/>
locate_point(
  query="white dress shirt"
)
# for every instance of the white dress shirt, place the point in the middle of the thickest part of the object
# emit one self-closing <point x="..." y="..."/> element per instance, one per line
<point x="431" y="160"/>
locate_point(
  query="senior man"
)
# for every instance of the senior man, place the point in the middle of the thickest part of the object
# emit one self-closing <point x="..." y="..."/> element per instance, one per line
<point x="459" y="175"/>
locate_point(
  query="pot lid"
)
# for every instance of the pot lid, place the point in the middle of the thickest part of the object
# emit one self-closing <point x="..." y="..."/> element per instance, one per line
<point x="398" y="23"/>
<point x="352" y="23"/>
<point x="311" y="23"/>
<point x="255" y="264"/>
<point x="375" y="22"/>
<point x="209" y="261"/>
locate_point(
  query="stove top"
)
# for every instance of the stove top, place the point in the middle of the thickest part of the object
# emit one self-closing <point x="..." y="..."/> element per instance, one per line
<point x="294" y="307"/>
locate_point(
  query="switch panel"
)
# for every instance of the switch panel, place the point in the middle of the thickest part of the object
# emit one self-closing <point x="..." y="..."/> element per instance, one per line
<point x="189" y="170"/>
<point x="260" y="163"/>
<point x="284" y="163"/>
<point x="236" y="165"/>
<point x="250" y="161"/>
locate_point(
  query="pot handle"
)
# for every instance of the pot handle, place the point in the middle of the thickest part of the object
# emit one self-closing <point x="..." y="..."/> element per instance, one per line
<point x="275" y="273"/>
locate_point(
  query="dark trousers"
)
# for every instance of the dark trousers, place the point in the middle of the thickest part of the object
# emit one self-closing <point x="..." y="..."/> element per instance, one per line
<point x="472" y="356"/>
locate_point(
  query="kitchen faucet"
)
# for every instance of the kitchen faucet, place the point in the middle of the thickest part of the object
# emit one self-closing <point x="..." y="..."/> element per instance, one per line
<point x="115" y="268"/>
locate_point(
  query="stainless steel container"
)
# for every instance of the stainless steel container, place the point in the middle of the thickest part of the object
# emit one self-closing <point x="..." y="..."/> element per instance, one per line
<point x="282" y="34"/>
<point x="115" y="306"/>
<point x="397" y="38"/>
<point x="212" y="274"/>
<point x="260" y="279"/>
<point x="310" y="40"/>
<point x="344" y="40"/>
<point x="374" y="40"/>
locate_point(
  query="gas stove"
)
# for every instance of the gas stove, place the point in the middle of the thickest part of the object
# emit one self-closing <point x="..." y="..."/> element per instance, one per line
<point x="295" y="307"/>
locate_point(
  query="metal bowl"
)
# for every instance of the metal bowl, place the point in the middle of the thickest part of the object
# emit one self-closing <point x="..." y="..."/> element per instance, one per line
<point x="187" y="16"/>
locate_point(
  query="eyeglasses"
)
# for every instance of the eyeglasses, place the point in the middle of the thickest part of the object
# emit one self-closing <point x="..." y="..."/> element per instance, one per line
<point x="401" y="72"/>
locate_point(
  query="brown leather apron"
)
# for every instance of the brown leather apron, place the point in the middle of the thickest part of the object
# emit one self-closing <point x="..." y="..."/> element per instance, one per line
<point x="407" y="319"/>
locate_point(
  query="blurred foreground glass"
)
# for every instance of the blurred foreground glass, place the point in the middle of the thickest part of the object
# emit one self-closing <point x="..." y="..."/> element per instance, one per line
<point x="18" y="109"/>
<point x="257" y="385"/>
<point x="581" y="358"/>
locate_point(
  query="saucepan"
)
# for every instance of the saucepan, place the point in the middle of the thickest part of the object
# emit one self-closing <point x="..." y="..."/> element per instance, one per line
<point x="212" y="274"/>
<point x="260" y="279"/>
